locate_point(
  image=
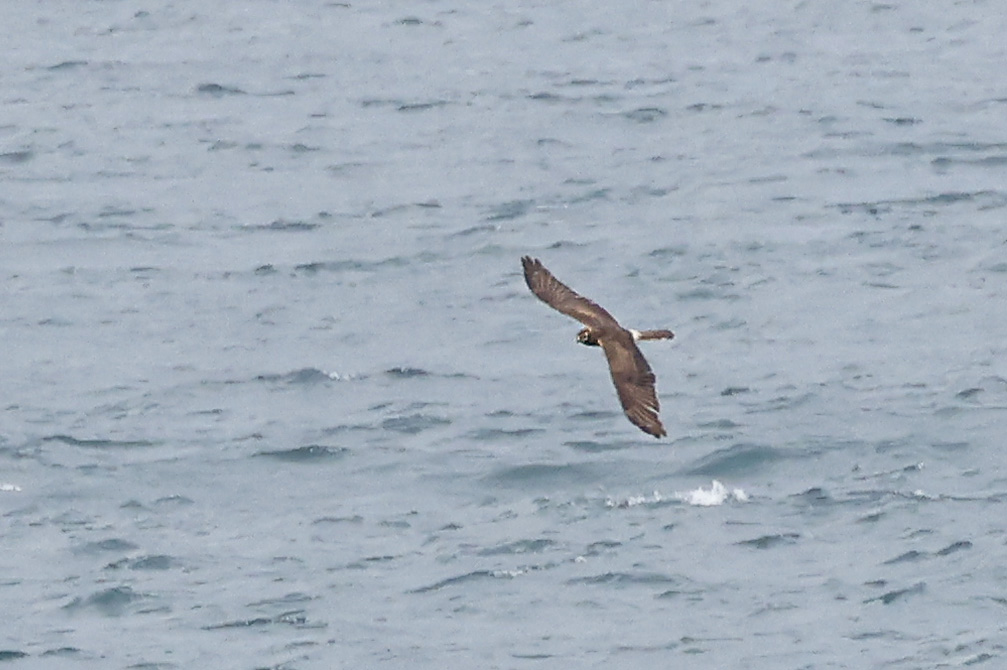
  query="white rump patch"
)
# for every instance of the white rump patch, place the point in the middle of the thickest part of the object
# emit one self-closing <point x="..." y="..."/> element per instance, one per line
<point x="635" y="333"/>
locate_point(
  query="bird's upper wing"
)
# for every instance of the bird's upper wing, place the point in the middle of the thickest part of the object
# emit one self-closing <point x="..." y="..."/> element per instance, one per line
<point x="562" y="298"/>
<point x="634" y="382"/>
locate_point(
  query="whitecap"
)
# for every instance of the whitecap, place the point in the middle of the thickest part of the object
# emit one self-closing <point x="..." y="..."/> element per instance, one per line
<point x="633" y="501"/>
<point x="9" y="488"/>
<point x="717" y="494"/>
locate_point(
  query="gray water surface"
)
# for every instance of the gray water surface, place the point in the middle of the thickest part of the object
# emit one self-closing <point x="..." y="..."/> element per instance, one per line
<point x="275" y="394"/>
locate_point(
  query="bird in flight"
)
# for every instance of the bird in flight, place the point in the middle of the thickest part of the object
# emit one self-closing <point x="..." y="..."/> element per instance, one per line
<point x="633" y="378"/>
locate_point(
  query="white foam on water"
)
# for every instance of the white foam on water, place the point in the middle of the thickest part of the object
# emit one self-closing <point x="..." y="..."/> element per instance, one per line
<point x="717" y="494"/>
<point x="633" y="501"/>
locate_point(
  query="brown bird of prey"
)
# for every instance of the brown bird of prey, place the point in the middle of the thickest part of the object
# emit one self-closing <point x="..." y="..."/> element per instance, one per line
<point x="634" y="381"/>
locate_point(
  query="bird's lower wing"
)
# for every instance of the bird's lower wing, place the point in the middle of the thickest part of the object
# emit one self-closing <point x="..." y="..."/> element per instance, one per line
<point x="634" y="384"/>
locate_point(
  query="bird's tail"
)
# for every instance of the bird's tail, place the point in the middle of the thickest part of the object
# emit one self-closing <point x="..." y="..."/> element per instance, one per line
<point x="652" y="334"/>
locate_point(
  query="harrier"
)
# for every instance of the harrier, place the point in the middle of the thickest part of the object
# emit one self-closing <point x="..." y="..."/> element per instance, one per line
<point x="634" y="380"/>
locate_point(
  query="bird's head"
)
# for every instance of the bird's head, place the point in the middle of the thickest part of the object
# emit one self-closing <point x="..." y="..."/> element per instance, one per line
<point x="586" y="337"/>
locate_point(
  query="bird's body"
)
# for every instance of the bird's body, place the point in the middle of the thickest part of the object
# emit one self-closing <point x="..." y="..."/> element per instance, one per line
<point x="633" y="378"/>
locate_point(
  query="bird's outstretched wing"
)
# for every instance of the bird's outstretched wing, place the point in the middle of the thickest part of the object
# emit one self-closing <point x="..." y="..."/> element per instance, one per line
<point x="563" y="299"/>
<point x="634" y="382"/>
